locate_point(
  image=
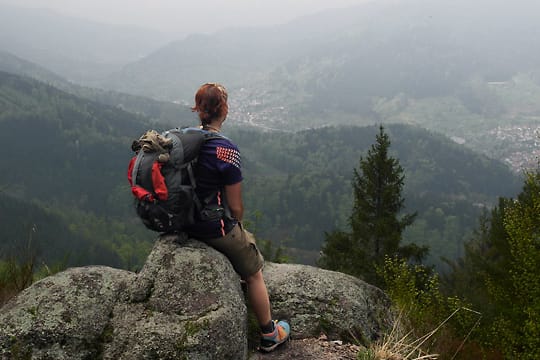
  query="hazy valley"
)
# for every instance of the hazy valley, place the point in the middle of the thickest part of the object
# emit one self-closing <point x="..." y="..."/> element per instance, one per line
<point x="454" y="84"/>
<point x="431" y="67"/>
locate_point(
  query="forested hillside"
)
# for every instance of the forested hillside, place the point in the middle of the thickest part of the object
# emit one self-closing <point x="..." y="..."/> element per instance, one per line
<point x="467" y="70"/>
<point x="66" y="162"/>
<point x="300" y="183"/>
<point x="157" y="111"/>
<point x="70" y="156"/>
<point x="451" y="87"/>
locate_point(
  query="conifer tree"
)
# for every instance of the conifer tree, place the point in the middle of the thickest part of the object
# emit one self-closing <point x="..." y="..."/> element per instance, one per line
<point x="376" y="220"/>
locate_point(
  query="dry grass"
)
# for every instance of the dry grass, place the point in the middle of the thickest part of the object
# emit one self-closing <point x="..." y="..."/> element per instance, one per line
<point x="398" y="345"/>
<point x="401" y="345"/>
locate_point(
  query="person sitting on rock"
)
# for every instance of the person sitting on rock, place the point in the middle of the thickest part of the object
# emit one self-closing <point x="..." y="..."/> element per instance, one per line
<point x="219" y="176"/>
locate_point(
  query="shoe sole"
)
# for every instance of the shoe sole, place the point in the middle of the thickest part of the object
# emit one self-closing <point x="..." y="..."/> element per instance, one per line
<point x="273" y="347"/>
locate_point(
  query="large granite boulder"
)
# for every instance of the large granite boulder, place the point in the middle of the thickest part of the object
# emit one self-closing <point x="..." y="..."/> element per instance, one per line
<point x="321" y="301"/>
<point x="186" y="303"/>
<point x="63" y="316"/>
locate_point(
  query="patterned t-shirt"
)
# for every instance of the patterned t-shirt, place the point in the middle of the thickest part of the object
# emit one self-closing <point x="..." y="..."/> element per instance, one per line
<point x="219" y="164"/>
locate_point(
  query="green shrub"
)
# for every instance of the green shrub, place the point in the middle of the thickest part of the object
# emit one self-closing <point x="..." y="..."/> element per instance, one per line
<point x="434" y="323"/>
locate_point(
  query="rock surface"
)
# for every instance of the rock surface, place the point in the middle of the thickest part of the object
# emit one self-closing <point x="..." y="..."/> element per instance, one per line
<point x="179" y="306"/>
<point x="321" y="301"/>
<point x="186" y="303"/>
<point x="63" y="315"/>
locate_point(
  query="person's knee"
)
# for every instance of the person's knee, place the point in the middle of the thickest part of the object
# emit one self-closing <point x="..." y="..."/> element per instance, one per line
<point x="254" y="278"/>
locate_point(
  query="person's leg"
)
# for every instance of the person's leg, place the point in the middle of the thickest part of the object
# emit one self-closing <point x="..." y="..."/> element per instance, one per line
<point x="240" y="248"/>
<point x="258" y="297"/>
<point x="273" y="333"/>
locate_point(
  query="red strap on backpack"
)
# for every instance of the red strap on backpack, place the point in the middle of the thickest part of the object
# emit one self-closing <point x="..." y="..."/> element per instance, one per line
<point x="158" y="182"/>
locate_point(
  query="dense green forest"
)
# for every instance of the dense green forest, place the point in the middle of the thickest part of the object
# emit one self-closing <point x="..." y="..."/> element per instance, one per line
<point x="455" y="84"/>
<point x="69" y="157"/>
<point x="487" y="305"/>
<point x="300" y="183"/>
<point x="63" y="179"/>
<point x="488" y="301"/>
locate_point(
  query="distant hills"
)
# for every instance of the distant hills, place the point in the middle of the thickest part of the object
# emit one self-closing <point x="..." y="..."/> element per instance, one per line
<point x="160" y="112"/>
<point x="77" y="49"/>
<point x="421" y="48"/>
<point x="13" y="64"/>
<point x="466" y="70"/>
<point x="68" y="157"/>
<point x="461" y="68"/>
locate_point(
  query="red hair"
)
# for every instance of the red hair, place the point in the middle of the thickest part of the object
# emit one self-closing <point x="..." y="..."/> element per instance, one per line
<point x="211" y="102"/>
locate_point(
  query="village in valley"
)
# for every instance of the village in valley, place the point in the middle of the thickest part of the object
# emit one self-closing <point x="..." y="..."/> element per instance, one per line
<point x="521" y="143"/>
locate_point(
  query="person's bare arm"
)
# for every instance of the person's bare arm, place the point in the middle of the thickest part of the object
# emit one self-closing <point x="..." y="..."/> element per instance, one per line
<point x="234" y="199"/>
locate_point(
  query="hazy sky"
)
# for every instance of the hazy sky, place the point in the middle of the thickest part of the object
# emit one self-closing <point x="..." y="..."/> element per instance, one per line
<point x="184" y="16"/>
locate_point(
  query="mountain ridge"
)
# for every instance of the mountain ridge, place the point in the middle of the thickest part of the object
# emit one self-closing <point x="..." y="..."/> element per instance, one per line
<point x="77" y="49"/>
<point x="298" y="181"/>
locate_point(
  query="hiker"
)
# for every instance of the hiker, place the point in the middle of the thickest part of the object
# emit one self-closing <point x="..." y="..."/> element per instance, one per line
<point x="218" y="174"/>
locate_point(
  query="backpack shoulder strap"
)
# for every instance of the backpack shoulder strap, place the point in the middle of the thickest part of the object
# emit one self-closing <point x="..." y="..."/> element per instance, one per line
<point x="186" y="145"/>
<point x="212" y="135"/>
<point x="141" y="173"/>
<point x="208" y="135"/>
